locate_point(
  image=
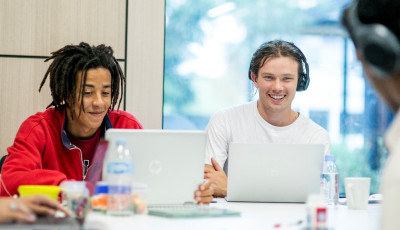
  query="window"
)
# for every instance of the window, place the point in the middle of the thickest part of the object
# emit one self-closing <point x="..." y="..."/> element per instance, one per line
<point x="208" y="47"/>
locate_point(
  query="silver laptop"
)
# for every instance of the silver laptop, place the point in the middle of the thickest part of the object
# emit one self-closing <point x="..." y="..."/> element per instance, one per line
<point x="274" y="172"/>
<point x="170" y="162"/>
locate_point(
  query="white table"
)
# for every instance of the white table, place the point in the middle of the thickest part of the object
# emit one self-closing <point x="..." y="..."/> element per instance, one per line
<point x="253" y="216"/>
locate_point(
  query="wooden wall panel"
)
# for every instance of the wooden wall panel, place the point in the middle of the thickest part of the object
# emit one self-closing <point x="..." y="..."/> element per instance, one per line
<point x="37" y="27"/>
<point x="145" y="61"/>
<point x="19" y="95"/>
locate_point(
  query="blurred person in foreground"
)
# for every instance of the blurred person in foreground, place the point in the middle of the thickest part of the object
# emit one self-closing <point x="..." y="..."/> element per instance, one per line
<point x="374" y="27"/>
<point x="27" y="208"/>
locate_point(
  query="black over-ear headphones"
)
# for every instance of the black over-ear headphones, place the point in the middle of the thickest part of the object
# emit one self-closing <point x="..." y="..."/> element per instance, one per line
<point x="304" y="77"/>
<point x="378" y="45"/>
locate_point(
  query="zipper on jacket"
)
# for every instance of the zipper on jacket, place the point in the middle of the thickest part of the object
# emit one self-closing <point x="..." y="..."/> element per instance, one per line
<point x="84" y="167"/>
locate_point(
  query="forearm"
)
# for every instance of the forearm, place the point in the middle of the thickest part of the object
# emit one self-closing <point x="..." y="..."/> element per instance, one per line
<point x="11" y="179"/>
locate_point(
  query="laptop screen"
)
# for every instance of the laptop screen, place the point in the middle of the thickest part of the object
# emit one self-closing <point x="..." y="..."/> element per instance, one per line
<point x="274" y="172"/>
<point x="95" y="171"/>
<point x="170" y="162"/>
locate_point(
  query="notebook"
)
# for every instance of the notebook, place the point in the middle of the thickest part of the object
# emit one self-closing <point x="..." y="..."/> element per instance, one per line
<point x="170" y="162"/>
<point x="274" y="172"/>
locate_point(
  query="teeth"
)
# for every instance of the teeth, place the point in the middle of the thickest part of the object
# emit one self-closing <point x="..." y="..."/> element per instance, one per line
<point x="277" y="97"/>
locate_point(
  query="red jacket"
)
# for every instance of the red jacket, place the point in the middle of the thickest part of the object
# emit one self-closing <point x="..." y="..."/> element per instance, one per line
<point x="42" y="153"/>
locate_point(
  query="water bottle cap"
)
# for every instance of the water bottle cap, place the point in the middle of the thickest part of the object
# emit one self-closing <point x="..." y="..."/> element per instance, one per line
<point x="120" y="141"/>
<point x="330" y="157"/>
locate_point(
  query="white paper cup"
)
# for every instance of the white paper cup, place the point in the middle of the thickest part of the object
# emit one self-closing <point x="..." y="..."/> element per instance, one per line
<point x="357" y="192"/>
<point x="75" y="195"/>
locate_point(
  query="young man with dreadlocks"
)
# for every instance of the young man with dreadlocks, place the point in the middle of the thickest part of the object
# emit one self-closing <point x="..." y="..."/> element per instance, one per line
<point x="58" y="144"/>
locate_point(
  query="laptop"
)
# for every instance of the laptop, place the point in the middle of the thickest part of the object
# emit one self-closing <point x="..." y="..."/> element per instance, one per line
<point x="44" y="223"/>
<point x="95" y="171"/>
<point x="170" y="162"/>
<point x="274" y="172"/>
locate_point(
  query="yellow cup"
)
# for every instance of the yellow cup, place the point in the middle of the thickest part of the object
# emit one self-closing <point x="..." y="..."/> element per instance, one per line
<point x="51" y="191"/>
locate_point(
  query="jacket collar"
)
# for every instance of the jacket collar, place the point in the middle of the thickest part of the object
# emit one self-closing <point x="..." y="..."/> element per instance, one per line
<point x="105" y="125"/>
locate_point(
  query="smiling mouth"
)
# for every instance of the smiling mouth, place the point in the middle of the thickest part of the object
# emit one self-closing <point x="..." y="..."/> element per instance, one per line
<point x="277" y="97"/>
<point x="96" y="114"/>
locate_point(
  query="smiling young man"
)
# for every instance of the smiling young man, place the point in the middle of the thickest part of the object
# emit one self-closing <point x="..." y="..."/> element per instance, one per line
<point x="86" y="83"/>
<point x="278" y="69"/>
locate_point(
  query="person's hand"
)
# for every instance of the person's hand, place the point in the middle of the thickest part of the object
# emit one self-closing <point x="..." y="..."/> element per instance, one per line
<point x="205" y="194"/>
<point x="25" y="208"/>
<point x="216" y="175"/>
<point x="43" y="205"/>
<point x="14" y="209"/>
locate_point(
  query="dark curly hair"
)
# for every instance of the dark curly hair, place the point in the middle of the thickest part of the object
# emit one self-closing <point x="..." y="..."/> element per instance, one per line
<point x="72" y="59"/>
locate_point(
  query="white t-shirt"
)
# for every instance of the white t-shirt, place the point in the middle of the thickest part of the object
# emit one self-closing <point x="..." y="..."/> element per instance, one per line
<point x="244" y="124"/>
<point x="390" y="186"/>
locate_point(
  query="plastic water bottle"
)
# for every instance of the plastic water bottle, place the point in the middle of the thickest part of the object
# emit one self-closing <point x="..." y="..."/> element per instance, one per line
<point x="330" y="181"/>
<point x="119" y="176"/>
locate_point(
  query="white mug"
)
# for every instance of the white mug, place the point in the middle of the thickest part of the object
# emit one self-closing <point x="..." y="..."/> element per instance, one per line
<point x="357" y="192"/>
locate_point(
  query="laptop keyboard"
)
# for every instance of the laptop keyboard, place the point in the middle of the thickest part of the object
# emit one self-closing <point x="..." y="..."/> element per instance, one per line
<point x="189" y="211"/>
<point x="176" y="207"/>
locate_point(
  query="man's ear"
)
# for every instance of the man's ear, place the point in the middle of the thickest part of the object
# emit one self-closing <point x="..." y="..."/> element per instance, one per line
<point x="254" y="79"/>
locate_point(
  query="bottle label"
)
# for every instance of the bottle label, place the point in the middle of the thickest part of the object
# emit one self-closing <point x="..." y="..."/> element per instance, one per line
<point x="320" y="219"/>
<point x="330" y="187"/>
<point x="119" y="167"/>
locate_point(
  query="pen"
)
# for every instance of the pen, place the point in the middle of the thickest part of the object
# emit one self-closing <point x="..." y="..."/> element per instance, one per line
<point x="283" y="225"/>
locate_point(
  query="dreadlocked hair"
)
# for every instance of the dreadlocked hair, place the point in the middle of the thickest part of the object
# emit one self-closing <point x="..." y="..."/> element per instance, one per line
<point x="72" y="59"/>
